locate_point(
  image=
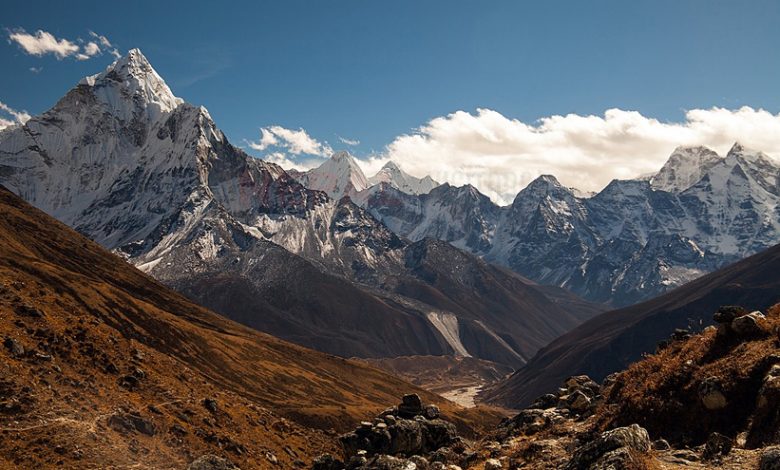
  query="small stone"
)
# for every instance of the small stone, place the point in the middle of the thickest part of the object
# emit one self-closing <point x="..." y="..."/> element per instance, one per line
<point x="711" y="394"/>
<point x="14" y="347"/>
<point x="493" y="464"/>
<point x="210" y="404"/>
<point x="717" y="444"/>
<point x="661" y="444"/>
<point x="327" y="462"/>
<point x="431" y="412"/>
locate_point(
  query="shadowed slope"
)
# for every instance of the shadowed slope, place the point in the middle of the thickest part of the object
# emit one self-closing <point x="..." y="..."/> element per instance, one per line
<point x="613" y="340"/>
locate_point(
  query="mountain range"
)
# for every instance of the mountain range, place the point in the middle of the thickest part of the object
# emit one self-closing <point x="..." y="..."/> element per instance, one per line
<point x="630" y="242"/>
<point x="150" y="177"/>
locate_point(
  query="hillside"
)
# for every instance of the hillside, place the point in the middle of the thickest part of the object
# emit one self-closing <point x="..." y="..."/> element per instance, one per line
<point x="102" y="365"/>
<point x="613" y="340"/>
<point x="703" y="401"/>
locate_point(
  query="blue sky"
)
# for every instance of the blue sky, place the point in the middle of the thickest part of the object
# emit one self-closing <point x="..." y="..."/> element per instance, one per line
<point x="371" y="70"/>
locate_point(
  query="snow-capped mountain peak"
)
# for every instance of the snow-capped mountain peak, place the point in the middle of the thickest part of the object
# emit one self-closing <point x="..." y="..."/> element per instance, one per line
<point x="132" y="78"/>
<point x="338" y="176"/>
<point x="393" y="175"/>
<point x="685" y="166"/>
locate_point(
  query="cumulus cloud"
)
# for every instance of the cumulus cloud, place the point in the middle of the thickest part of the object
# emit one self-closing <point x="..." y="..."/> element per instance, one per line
<point x="10" y="116"/>
<point x="43" y="43"/>
<point x="500" y="155"/>
<point x="292" y="141"/>
<point x="346" y="141"/>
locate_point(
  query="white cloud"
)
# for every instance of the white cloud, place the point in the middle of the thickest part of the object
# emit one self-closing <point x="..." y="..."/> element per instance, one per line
<point x="43" y="43"/>
<point x="102" y="39"/>
<point x="10" y="116"/>
<point x="91" y="49"/>
<point x="500" y="155"/>
<point x="36" y="69"/>
<point x="284" y="161"/>
<point x="106" y="44"/>
<point x="293" y="141"/>
<point x="346" y="141"/>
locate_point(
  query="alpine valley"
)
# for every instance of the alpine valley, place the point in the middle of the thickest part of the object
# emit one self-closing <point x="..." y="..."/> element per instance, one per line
<point x="169" y="301"/>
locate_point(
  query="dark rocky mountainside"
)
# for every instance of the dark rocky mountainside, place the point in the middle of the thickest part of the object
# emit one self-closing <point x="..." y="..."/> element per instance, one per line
<point x="613" y="340"/>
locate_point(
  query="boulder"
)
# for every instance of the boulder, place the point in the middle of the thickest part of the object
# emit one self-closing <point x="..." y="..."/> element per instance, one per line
<point x="431" y="411"/>
<point x="411" y="406"/>
<point x="633" y="438"/>
<point x="406" y="437"/>
<point x="529" y="422"/>
<point x="211" y="462"/>
<point x="717" y="445"/>
<point x="770" y="459"/>
<point x="545" y="402"/>
<point x="129" y="422"/>
<point x="437" y="433"/>
<point x="765" y="425"/>
<point x="493" y="464"/>
<point x="327" y="462"/>
<point x="711" y="394"/>
<point x="578" y="402"/>
<point x="727" y="313"/>
<point x="387" y="462"/>
<point x="747" y="326"/>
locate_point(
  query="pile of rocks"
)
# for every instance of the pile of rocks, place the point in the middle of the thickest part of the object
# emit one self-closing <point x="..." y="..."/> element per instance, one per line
<point x="616" y="448"/>
<point x="408" y="436"/>
<point x="736" y="323"/>
<point x="577" y="399"/>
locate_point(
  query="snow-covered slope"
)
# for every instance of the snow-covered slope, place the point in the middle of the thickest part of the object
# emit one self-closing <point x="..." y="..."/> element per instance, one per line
<point x="393" y="175"/>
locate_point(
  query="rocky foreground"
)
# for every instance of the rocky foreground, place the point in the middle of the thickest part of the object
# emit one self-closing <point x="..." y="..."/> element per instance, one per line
<point x="704" y="400"/>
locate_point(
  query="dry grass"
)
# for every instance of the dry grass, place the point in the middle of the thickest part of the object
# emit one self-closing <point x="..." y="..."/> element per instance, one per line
<point x="661" y="392"/>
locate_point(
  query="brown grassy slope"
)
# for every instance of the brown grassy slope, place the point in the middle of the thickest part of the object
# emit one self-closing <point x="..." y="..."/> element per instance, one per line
<point x="102" y="319"/>
<point x="613" y="340"/>
<point x="661" y="392"/>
